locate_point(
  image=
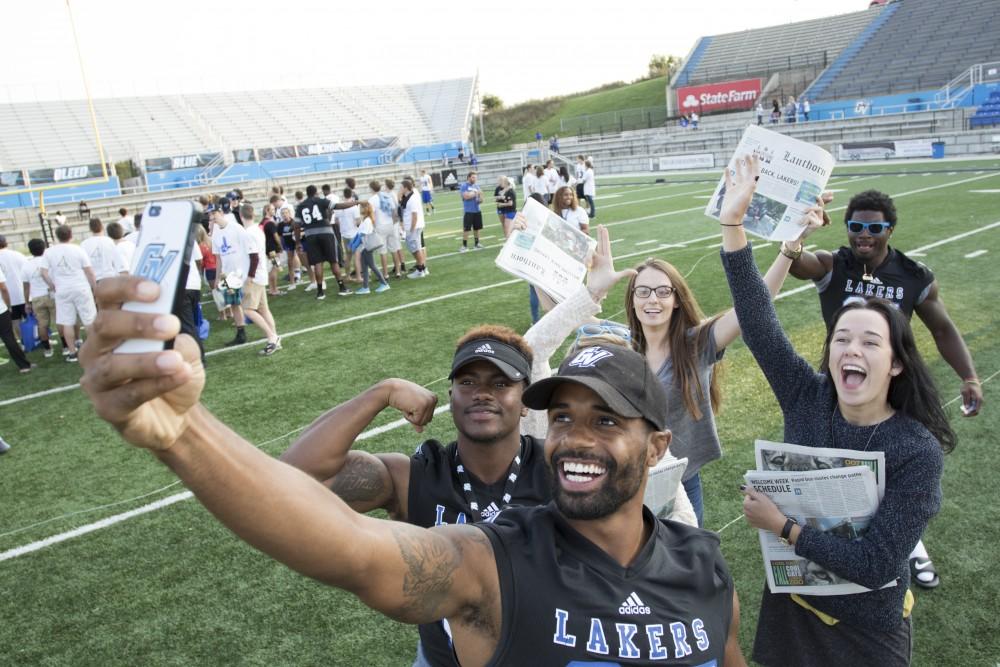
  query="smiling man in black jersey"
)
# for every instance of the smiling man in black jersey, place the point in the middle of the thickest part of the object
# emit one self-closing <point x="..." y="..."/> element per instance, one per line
<point x="555" y="584"/>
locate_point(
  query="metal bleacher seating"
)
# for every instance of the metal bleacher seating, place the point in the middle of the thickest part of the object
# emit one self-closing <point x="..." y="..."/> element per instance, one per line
<point x="922" y="46"/>
<point x="988" y="114"/>
<point x="814" y="43"/>
<point x="59" y="133"/>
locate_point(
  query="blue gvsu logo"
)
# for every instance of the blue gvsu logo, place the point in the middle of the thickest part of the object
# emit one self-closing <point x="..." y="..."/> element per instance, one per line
<point x="153" y="264"/>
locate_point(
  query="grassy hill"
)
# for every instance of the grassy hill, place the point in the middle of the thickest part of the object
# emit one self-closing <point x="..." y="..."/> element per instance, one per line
<point x="520" y="122"/>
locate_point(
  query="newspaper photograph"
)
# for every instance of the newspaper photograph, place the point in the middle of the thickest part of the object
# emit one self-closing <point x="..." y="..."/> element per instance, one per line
<point x="661" y="486"/>
<point x="793" y="174"/>
<point x="837" y="501"/>
<point x="797" y="458"/>
<point x="550" y="253"/>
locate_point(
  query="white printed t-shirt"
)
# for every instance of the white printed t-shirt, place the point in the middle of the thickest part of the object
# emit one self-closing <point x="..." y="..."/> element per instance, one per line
<point x="32" y="274"/>
<point x="257" y="245"/>
<point x="13" y="264"/>
<point x="232" y="244"/>
<point x="348" y="219"/>
<point x="413" y="205"/>
<point x="104" y="257"/>
<point x="194" y="276"/>
<point x="66" y="263"/>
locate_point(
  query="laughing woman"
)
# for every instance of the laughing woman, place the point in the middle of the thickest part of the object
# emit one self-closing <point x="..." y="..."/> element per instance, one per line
<point x="873" y="393"/>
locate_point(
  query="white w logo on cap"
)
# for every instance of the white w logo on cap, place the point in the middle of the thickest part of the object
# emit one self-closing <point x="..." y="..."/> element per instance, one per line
<point x="589" y="356"/>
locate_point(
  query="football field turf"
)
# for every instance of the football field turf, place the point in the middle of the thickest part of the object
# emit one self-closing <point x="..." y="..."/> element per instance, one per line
<point x="170" y="586"/>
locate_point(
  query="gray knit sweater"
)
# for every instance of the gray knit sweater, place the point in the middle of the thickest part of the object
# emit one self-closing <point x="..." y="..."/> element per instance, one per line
<point x="913" y="457"/>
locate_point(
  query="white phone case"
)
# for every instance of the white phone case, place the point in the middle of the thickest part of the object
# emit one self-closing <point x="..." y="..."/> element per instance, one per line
<point x="162" y="254"/>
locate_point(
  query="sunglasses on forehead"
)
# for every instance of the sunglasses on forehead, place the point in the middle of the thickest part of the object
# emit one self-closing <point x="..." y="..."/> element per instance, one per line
<point x="874" y="228"/>
<point x="603" y="328"/>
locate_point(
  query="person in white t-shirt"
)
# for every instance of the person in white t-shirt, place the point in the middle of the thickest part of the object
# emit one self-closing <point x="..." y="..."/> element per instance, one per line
<point x="568" y="206"/>
<point x="7" y="328"/>
<point x="231" y="246"/>
<point x="384" y="205"/>
<point x="347" y="218"/>
<point x="68" y="268"/>
<point x="427" y="192"/>
<point x="528" y="181"/>
<point x="104" y="257"/>
<point x="38" y="295"/>
<point x="551" y="175"/>
<point x="255" y="289"/>
<point x="123" y="244"/>
<point x="413" y="228"/>
<point x="13" y="264"/>
<point x="589" y="187"/>
<point x="126" y="221"/>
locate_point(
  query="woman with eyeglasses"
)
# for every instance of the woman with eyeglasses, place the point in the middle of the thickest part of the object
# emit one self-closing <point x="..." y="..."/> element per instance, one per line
<point x="683" y="348"/>
<point x="873" y="393"/>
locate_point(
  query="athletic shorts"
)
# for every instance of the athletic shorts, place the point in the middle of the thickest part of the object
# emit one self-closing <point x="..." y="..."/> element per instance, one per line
<point x="472" y="221"/>
<point x="508" y="213"/>
<point x="18" y="312"/>
<point x="390" y="236"/>
<point x="425" y="196"/>
<point x="232" y="297"/>
<point x="414" y="240"/>
<point x="44" y="308"/>
<point x="73" y="305"/>
<point x="322" y="248"/>
<point x="209" y="275"/>
<point x="254" y="295"/>
<point x="288" y="244"/>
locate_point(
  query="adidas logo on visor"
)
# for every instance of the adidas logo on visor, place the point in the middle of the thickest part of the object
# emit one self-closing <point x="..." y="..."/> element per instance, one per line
<point x="484" y="349"/>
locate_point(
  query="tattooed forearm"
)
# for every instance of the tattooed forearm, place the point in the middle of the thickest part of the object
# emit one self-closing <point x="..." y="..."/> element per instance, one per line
<point x="360" y="480"/>
<point x="430" y="561"/>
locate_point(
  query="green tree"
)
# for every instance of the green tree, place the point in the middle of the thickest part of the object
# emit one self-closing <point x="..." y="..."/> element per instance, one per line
<point x="491" y="103"/>
<point x="661" y="65"/>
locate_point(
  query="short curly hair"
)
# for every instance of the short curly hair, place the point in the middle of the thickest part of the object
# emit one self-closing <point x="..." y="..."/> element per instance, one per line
<point x="872" y="200"/>
<point x="500" y="333"/>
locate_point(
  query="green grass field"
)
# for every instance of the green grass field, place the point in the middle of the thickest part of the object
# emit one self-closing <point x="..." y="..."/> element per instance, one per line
<point x="172" y="587"/>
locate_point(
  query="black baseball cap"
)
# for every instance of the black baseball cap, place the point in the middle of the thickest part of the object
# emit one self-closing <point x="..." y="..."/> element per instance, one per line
<point x="510" y="360"/>
<point x="620" y="376"/>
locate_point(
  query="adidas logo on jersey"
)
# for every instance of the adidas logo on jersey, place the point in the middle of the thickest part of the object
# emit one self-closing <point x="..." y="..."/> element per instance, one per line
<point x="633" y="606"/>
<point x="490" y="511"/>
<point x="484" y="349"/>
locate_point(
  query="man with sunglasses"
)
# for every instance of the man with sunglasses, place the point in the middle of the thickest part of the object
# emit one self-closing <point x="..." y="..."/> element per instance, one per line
<point x="869" y="267"/>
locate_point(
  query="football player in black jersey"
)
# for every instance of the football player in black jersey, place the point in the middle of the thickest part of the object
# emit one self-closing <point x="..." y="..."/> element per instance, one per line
<point x="869" y="267"/>
<point x="316" y="214"/>
<point x="606" y="417"/>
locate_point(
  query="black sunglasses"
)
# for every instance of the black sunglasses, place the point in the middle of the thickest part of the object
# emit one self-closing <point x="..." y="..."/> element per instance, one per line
<point x="874" y="228"/>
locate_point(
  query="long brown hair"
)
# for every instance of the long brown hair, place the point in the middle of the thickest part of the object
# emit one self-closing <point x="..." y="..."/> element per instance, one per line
<point x="557" y="199"/>
<point x="684" y="349"/>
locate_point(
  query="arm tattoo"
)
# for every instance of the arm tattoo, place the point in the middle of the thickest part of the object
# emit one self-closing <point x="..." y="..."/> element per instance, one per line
<point x="430" y="561"/>
<point x="359" y="480"/>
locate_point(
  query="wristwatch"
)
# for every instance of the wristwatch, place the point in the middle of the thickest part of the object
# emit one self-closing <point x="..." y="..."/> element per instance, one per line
<point x="789" y="253"/>
<point x="786" y="532"/>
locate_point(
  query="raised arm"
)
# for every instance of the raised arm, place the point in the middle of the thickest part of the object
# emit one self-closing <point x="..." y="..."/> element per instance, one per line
<point x="364" y="481"/>
<point x="411" y="574"/>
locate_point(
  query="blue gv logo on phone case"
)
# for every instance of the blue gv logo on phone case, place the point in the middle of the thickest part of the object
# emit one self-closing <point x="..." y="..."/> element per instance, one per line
<point x="153" y="264"/>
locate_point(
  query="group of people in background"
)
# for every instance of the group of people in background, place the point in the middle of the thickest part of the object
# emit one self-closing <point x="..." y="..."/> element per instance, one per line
<point x="793" y="111"/>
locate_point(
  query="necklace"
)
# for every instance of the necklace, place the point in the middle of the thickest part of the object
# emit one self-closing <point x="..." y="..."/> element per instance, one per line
<point x="833" y="432"/>
<point x="508" y="490"/>
<point x="866" y="276"/>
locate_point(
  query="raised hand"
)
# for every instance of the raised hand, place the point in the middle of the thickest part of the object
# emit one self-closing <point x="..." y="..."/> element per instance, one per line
<point x="145" y="396"/>
<point x="602" y="276"/>
<point x="416" y="403"/>
<point x="741" y="182"/>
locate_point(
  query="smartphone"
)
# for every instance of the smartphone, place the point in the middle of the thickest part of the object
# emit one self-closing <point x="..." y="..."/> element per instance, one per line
<point x="162" y="254"/>
<point x="970" y="408"/>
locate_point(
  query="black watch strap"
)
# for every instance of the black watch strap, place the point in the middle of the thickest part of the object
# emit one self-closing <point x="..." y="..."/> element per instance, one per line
<point x="786" y="532"/>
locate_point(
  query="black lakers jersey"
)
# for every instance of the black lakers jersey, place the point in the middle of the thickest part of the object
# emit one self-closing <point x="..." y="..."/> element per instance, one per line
<point x="898" y="279"/>
<point x="567" y="602"/>
<point x="436" y="497"/>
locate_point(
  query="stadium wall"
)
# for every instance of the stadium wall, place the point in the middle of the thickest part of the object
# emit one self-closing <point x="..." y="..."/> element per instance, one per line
<point x="63" y="195"/>
<point x="922" y="100"/>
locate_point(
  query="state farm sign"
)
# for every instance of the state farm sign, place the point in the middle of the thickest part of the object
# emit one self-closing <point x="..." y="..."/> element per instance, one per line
<point x="718" y="96"/>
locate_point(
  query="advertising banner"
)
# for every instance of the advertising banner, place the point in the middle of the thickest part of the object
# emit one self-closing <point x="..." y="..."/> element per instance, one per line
<point x="727" y="95"/>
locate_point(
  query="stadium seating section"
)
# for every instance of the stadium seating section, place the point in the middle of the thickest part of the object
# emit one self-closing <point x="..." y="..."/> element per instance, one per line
<point x="58" y="133"/>
<point x="988" y="114"/>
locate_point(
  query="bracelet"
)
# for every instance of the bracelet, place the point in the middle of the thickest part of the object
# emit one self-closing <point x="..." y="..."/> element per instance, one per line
<point x="788" y="252"/>
<point x="738" y="224"/>
<point x="972" y="381"/>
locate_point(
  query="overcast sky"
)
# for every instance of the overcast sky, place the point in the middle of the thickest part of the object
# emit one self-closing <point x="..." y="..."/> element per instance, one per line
<point x="522" y="50"/>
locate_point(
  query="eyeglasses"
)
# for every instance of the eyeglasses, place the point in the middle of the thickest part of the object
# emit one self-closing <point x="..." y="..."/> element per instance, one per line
<point x="603" y="328"/>
<point x="874" y="228"/>
<point x="662" y="292"/>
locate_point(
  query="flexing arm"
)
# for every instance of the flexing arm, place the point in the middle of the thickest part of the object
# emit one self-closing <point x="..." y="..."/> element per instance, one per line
<point x="812" y="266"/>
<point x="365" y="481"/>
<point x="952" y="347"/>
<point x="411" y="574"/>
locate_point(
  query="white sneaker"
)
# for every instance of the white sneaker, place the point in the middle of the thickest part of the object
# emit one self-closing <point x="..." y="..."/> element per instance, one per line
<point x="463" y="249"/>
<point x="311" y="288"/>
<point x="415" y="274"/>
<point x="47" y="353"/>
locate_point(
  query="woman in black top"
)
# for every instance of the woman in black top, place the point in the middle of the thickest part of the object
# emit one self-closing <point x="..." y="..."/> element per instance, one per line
<point x="272" y="245"/>
<point x="506" y="201"/>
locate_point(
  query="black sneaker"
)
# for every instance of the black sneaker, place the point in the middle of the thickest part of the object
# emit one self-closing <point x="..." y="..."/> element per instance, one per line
<point x="71" y="357"/>
<point x="345" y="291"/>
<point x="320" y="295"/>
<point x="238" y="340"/>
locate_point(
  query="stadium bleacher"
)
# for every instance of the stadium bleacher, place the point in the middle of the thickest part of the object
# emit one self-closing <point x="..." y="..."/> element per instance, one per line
<point x="988" y="114"/>
<point x="920" y="47"/>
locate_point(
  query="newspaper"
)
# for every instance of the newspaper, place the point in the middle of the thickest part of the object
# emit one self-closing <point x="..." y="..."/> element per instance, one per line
<point x="839" y="501"/>
<point x="783" y="456"/>
<point x="793" y="174"/>
<point x="550" y="253"/>
<point x="661" y="488"/>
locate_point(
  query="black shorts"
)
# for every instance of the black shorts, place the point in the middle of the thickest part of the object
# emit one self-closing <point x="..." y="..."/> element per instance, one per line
<point x="321" y="248"/>
<point x="288" y="243"/>
<point x="579" y="190"/>
<point x="18" y="313"/>
<point x="472" y="221"/>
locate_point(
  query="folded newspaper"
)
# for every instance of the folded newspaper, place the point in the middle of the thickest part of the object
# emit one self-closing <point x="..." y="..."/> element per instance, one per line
<point x="550" y="253"/>
<point x="661" y="487"/>
<point x="793" y="174"/>
<point x="836" y="491"/>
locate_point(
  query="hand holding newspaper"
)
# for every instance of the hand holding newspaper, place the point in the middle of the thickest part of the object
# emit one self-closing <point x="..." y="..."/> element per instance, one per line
<point x="549" y="253"/>
<point x="661" y="486"/>
<point x="836" y="491"/>
<point x="793" y="174"/>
